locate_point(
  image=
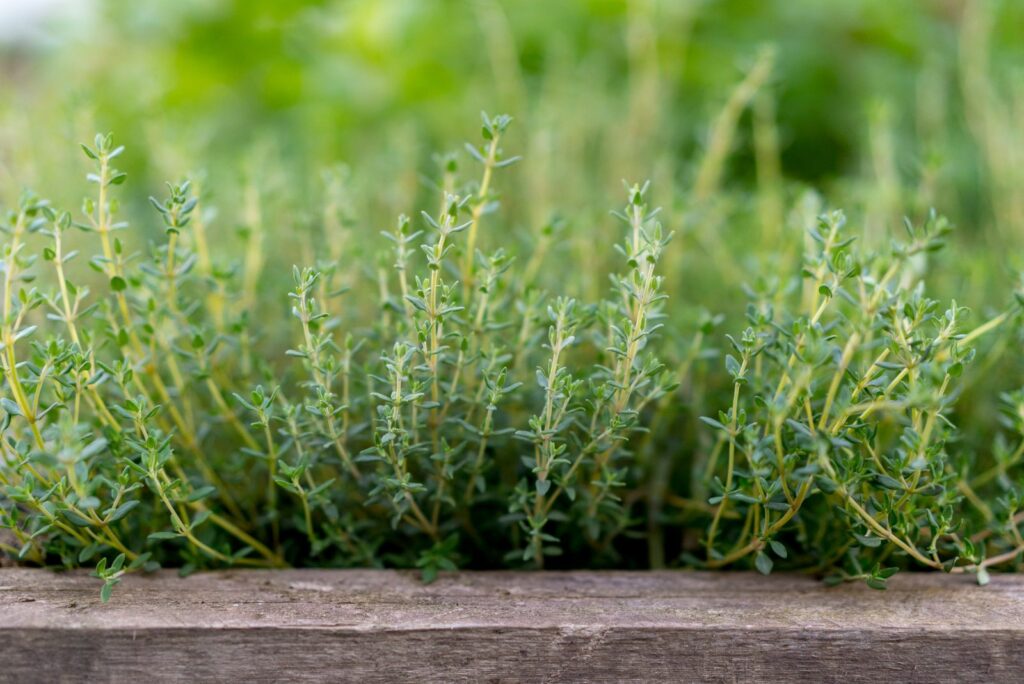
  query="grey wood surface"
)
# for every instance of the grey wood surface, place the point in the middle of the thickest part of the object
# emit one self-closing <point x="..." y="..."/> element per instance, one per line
<point x="384" y="626"/>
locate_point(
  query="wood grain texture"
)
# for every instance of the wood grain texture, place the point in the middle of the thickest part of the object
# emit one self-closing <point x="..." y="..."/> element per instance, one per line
<point x="385" y="626"/>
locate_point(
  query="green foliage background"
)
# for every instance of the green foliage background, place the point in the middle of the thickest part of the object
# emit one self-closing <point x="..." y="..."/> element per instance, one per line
<point x="331" y="81"/>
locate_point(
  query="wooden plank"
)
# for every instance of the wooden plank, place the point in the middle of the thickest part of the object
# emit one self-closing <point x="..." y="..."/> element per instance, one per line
<point x="369" y="626"/>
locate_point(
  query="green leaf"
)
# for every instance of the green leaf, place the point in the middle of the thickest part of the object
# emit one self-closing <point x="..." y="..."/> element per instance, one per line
<point x="118" y="563"/>
<point x="87" y="552"/>
<point x="888" y="482"/>
<point x="123" y="510"/>
<point x="78" y="520"/>
<point x="88" y="503"/>
<point x="417" y="302"/>
<point x="712" y="422"/>
<point x="825" y="484"/>
<point x="92" y="448"/>
<point x="201" y="493"/>
<point x="763" y="563"/>
<point x="868" y="541"/>
<point x="10" y="407"/>
<point x="200" y="518"/>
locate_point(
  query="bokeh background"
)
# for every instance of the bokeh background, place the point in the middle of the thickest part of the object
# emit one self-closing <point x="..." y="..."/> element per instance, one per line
<point x="359" y="81"/>
<point x="921" y="96"/>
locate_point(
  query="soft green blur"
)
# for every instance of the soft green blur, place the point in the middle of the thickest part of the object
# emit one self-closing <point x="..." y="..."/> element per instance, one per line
<point x="621" y="87"/>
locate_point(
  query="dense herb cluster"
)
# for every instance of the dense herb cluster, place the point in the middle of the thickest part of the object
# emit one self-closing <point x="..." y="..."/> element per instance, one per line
<point x="839" y="406"/>
<point x="474" y="419"/>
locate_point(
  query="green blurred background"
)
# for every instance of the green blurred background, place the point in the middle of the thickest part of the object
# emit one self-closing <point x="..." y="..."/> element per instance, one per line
<point x="609" y="88"/>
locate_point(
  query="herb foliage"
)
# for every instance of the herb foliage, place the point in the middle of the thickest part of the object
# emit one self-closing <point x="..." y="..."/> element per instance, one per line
<point x="436" y="408"/>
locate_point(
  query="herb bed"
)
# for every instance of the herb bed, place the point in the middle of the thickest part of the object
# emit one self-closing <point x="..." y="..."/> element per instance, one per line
<point x="481" y="422"/>
<point x="381" y="625"/>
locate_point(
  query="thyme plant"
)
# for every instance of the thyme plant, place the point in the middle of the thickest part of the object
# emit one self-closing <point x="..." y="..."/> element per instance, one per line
<point x="435" y="408"/>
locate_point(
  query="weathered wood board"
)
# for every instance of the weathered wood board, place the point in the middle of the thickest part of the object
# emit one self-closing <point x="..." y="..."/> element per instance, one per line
<point x="384" y="626"/>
